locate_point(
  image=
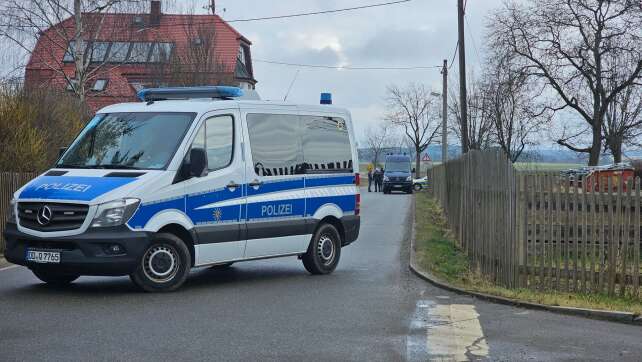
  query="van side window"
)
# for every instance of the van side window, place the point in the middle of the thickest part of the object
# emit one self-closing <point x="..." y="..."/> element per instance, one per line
<point x="216" y="136"/>
<point x="274" y="140"/>
<point x="219" y="141"/>
<point x="326" y="145"/>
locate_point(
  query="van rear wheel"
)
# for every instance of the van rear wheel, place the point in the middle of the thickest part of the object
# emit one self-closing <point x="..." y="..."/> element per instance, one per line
<point x="164" y="265"/>
<point x="324" y="251"/>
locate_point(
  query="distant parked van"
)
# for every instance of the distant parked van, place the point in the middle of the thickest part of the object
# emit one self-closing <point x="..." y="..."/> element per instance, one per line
<point x="397" y="174"/>
<point x="191" y="177"/>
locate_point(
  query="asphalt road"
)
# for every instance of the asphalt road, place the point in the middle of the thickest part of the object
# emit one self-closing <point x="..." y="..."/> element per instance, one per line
<point x="370" y="309"/>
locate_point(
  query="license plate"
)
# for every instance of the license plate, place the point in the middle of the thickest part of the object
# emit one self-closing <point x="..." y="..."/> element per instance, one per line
<point x="396" y="186"/>
<point x="39" y="256"/>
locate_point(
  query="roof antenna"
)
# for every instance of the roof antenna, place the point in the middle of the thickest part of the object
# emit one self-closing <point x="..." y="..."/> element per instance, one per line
<point x="291" y="84"/>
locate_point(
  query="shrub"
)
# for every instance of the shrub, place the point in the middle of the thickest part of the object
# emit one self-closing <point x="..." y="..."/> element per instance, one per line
<point x="34" y="125"/>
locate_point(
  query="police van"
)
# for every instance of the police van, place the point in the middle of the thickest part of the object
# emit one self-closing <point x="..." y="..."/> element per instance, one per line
<point x="191" y="177"/>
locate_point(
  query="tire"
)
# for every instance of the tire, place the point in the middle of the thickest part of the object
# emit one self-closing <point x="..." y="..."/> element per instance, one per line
<point x="409" y="190"/>
<point x="54" y="278"/>
<point x="221" y="266"/>
<point x="418" y="187"/>
<point x="324" y="251"/>
<point x="164" y="265"/>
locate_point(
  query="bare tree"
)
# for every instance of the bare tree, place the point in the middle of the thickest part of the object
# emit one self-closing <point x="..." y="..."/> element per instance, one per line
<point x="564" y="44"/>
<point x="413" y="110"/>
<point x="378" y="140"/>
<point x="480" y="126"/>
<point x="74" y="27"/>
<point x="197" y="61"/>
<point x="511" y="105"/>
<point x="623" y="122"/>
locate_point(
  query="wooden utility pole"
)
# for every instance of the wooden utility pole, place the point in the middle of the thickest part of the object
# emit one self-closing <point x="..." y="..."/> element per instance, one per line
<point x="444" y="113"/>
<point x="462" y="78"/>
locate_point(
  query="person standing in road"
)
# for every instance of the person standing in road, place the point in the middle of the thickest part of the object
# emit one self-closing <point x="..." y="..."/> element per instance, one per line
<point x="376" y="176"/>
<point x="369" y="176"/>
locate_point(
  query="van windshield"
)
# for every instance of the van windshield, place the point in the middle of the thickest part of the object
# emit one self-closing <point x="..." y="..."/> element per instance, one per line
<point x="398" y="166"/>
<point x="128" y="140"/>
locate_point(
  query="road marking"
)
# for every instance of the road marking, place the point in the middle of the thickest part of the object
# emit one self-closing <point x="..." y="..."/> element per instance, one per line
<point x="8" y="267"/>
<point x="416" y="341"/>
<point x="454" y="333"/>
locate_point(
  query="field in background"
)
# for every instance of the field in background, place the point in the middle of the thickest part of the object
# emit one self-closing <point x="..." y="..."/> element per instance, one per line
<point x="522" y="166"/>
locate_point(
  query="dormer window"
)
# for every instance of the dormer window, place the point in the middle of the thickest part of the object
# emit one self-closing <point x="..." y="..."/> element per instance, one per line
<point x="241" y="54"/>
<point x="100" y="85"/>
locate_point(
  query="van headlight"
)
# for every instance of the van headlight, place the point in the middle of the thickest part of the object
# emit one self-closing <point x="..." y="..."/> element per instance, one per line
<point x="409" y="178"/>
<point x="385" y="178"/>
<point x="11" y="218"/>
<point x="115" y="213"/>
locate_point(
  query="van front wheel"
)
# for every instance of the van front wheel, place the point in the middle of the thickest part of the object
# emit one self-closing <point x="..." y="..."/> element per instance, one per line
<point x="164" y="265"/>
<point x="324" y="251"/>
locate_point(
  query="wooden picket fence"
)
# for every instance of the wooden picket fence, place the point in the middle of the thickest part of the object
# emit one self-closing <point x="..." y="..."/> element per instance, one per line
<point x="542" y="230"/>
<point x="9" y="183"/>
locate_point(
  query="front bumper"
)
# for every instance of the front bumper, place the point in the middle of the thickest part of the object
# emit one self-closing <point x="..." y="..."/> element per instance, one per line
<point x="83" y="254"/>
<point x="397" y="185"/>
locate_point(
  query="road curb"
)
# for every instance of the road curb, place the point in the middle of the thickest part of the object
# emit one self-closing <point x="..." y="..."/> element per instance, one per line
<point x="614" y="316"/>
<point x="4" y="263"/>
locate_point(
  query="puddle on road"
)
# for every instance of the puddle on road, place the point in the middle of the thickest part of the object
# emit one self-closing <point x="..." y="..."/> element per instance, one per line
<point x="445" y="332"/>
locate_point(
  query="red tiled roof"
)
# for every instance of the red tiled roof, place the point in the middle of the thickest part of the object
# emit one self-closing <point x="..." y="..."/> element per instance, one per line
<point x="46" y="61"/>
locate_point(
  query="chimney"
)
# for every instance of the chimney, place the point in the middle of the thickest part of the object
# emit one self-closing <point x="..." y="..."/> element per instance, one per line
<point x="213" y="6"/>
<point x="155" y="13"/>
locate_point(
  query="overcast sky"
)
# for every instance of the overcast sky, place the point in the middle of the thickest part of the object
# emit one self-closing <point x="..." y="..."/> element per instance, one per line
<point x="417" y="33"/>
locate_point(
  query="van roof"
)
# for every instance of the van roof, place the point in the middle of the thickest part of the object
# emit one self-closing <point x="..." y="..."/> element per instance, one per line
<point x="201" y="105"/>
<point x="397" y="158"/>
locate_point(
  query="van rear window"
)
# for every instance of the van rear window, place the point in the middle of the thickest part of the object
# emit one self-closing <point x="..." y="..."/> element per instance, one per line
<point x="289" y="144"/>
<point x="326" y="145"/>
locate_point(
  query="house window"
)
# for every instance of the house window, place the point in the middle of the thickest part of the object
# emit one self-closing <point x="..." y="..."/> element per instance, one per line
<point x="118" y="52"/>
<point x="161" y="52"/>
<point x="139" y="52"/>
<point x="70" y="52"/>
<point x="137" y="86"/>
<point x="99" y="85"/>
<point x="98" y="51"/>
<point x="72" y="85"/>
<point x="241" y="55"/>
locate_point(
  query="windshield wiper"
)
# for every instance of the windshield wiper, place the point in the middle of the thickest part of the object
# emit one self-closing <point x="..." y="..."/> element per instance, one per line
<point x="107" y="166"/>
<point x="64" y="165"/>
<point x="117" y="166"/>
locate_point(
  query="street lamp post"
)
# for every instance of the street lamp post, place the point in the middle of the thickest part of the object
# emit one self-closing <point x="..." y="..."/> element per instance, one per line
<point x="444" y="113"/>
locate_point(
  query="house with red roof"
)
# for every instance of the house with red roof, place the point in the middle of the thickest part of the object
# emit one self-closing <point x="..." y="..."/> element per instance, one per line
<point x="128" y="52"/>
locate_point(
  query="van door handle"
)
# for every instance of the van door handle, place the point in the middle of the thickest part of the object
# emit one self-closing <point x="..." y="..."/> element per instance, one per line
<point x="233" y="185"/>
<point x="256" y="183"/>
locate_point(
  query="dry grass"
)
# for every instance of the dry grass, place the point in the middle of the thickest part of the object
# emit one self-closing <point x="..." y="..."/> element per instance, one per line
<point x="437" y="253"/>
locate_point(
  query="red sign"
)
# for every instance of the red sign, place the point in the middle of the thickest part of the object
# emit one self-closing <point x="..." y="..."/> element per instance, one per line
<point x="426" y="158"/>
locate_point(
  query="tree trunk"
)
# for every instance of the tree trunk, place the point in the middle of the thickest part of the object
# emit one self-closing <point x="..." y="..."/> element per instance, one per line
<point x="596" y="145"/>
<point x="417" y="163"/>
<point x="615" y="146"/>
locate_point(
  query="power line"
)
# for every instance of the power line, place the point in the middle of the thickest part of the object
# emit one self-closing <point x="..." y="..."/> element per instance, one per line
<point x="470" y="34"/>
<point x="452" y="60"/>
<point x="275" y="17"/>
<point x="319" y="12"/>
<point x="342" y="67"/>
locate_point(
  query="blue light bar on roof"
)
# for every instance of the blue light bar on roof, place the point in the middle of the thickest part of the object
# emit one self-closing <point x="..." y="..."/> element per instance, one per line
<point x="156" y="94"/>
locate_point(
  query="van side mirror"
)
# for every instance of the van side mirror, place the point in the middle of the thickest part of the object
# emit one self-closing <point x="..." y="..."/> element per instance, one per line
<point x="197" y="162"/>
<point x="413" y="170"/>
<point x="61" y="151"/>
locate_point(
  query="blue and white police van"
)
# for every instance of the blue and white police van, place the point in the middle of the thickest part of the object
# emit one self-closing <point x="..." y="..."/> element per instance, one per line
<point x="191" y="177"/>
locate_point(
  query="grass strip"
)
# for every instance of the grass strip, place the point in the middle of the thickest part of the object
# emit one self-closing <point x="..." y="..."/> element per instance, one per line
<point x="437" y="253"/>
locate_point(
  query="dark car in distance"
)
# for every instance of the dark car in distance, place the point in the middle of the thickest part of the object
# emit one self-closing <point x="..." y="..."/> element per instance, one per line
<point x="397" y="174"/>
